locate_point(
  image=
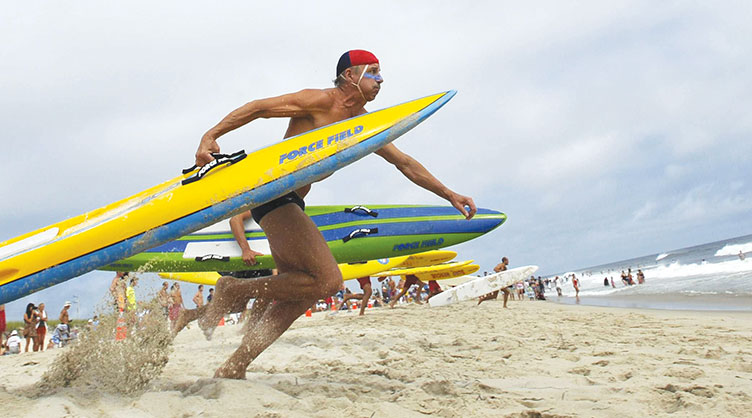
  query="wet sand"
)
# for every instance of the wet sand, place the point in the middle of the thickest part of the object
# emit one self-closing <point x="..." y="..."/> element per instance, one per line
<point x="533" y="359"/>
<point x="670" y="301"/>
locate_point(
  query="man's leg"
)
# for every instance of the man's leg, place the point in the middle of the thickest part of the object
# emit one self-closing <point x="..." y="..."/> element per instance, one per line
<point x="492" y="295"/>
<point x="397" y="298"/>
<point x="307" y="273"/>
<point x="506" y="296"/>
<point x="297" y="244"/>
<point x="348" y="297"/>
<point x="367" y="291"/>
<point x="418" y="292"/>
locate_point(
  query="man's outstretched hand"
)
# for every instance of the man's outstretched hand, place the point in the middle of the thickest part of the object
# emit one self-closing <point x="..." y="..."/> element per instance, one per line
<point x="460" y="202"/>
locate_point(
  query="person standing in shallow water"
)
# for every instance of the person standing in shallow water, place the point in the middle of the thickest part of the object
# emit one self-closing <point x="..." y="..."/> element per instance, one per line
<point x="307" y="269"/>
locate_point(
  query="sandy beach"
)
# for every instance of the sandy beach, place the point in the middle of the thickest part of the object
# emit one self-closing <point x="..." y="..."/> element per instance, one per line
<point x="534" y="359"/>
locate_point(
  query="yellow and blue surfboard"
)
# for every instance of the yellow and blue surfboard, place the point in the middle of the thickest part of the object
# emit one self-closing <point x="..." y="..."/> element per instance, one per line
<point x="199" y="198"/>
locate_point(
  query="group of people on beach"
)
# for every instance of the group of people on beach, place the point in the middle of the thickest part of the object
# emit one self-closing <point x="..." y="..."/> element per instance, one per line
<point x="34" y="331"/>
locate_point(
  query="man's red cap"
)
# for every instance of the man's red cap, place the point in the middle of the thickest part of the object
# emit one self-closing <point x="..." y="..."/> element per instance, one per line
<point x="355" y="57"/>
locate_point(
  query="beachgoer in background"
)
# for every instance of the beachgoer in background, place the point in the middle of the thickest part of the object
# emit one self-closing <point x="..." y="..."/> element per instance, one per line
<point x="130" y="295"/>
<point x="60" y="336"/>
<point x="177" y="302"/>
<point x="2" y="324"/>
<point x="41" y="328"/>
<point x="493" y="295"/>
<point x="741" y="255"/>
<point x="520" y="289"/>
<point x="164" y="299"/>
<point x="14" y="343"/>
<point x="630" y="279"/>
<point x="541" y="289"/>
<point x="605" y="282"/>
<point x="624" y="278"/>
<point x="365" y="284"/>
<point x="117" y="290"/>
<point x="198" y="298"/>
<point x="210" y="296"/>
<point x="31" y="317"/>
<point x="95" y="322"/>
<point x="529" y="289"/>
<point x="64" y="315"/>
<point x="576" y="285"/>
<point x="409" y="281"/>
<point x="557" y="284"/>
<point x="640" y="277"/>
<point x="612" y="282"/>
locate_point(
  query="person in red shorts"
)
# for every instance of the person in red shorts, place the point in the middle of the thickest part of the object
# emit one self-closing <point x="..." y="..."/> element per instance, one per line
<point x="433" y="288"/>
<point x="410" y="280"/>
<point x="365" y="284"/>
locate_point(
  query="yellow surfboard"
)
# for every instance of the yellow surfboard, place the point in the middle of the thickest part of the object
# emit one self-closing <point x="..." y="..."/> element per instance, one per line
<point x="421" y="270"/>
<point x="448" y="274"/>
<point x="349" y="271"/>
<point x="197" y="198"/>
<point x="428" y="258"/>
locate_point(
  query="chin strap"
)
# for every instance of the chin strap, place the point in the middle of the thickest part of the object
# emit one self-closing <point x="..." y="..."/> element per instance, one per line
<point x="357" y="85"/>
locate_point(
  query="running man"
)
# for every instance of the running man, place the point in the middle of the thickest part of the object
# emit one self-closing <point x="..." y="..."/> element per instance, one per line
<point x="410" y="280"/>
<point x="307" y="269"/>
<point x="493" y="295"/>
<point x="365" y="284"/>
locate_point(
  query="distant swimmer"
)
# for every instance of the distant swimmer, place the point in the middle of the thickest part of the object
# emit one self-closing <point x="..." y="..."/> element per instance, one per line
<point x="493" y="295"/>
<point x="640" y="277"/>
<point x="576" y="285"/>
<point x="307" y="269"/>
<point x="365" y="285"/>
<point x="741" y="255"/>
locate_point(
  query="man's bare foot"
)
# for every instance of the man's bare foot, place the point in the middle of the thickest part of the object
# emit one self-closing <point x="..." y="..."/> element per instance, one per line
<point x="226" y="299"/>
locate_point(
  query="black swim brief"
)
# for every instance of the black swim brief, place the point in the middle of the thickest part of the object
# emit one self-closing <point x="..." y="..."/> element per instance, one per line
<point x="261" y="211"/>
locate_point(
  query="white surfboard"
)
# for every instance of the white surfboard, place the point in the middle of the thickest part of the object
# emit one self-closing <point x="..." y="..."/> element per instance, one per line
<point x="481" y="286"/>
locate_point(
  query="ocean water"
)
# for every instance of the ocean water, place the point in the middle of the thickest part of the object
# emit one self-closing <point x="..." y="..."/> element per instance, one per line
<point x="704" y="277"/>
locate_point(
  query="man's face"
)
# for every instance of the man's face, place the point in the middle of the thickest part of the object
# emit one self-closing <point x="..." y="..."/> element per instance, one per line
<point x="370" y="84"/>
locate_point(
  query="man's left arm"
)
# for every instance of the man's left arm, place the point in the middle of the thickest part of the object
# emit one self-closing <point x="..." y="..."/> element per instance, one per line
<point x="419" y="175"/>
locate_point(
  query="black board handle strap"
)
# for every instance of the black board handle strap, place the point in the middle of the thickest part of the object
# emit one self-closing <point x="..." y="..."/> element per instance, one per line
<point x="363" y="209"/>
<point x="215" y="257"/>
<point x="219" y="160"/>
<point x="361" y="232"/>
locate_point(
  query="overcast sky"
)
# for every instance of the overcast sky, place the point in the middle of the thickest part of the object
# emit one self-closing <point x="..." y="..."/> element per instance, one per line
<point x="605" y="130"/>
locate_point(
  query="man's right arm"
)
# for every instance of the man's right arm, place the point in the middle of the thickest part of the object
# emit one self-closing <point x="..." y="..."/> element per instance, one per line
<point x="293" y="105"/>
